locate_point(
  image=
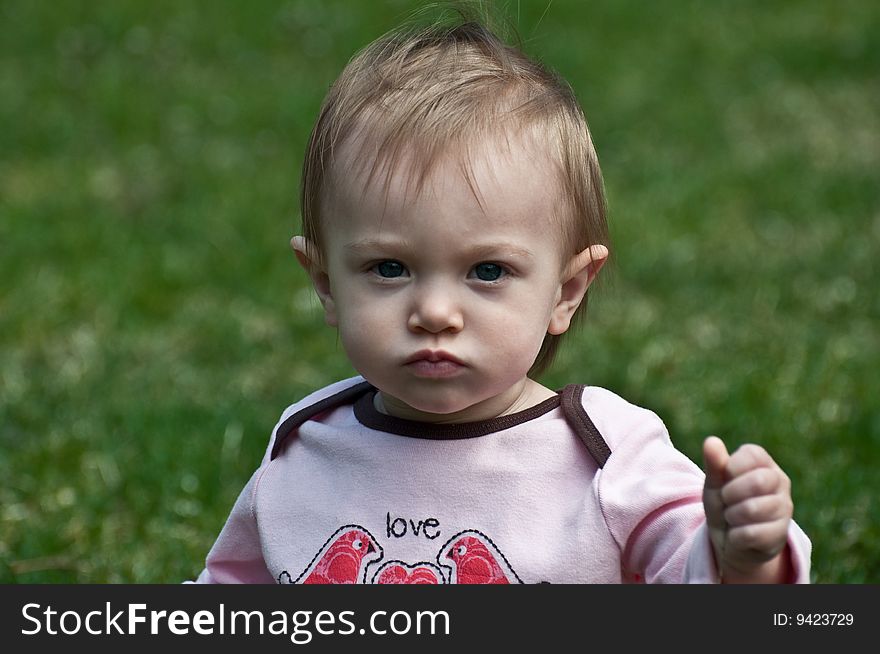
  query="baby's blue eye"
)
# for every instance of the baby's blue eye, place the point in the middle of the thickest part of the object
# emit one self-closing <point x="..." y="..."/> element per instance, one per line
<point x="389" y="269"/>
<point x="488" y="272"/>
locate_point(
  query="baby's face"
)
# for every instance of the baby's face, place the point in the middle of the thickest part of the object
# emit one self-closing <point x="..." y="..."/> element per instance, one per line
<point x="442" y="303"/>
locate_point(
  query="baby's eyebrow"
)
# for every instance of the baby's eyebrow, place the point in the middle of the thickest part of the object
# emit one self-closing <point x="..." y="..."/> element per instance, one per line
<point x="489" y="250"/>
<point x="371" y="245"/>
<point x="477" y="251"/>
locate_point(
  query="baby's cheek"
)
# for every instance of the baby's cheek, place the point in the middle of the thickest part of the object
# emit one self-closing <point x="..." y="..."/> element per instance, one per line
<point x="517" y="343"/>
<point x="364" y="328"/>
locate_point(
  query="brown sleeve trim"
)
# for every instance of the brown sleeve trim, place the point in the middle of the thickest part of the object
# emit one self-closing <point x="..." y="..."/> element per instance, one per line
<point x="293" y="422"/>
<point x="580" y="422"/>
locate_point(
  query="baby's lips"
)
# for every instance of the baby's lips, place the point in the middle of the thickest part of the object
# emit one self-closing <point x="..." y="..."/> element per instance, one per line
<point x="434" y="356"/>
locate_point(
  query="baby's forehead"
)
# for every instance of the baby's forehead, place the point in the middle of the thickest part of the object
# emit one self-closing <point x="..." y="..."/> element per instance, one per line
<point x="486" y="169"/>
<point x="468" y="200"/>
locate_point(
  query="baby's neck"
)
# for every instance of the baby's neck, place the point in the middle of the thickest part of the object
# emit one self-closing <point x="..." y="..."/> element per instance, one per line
<point x="518" y="398"/>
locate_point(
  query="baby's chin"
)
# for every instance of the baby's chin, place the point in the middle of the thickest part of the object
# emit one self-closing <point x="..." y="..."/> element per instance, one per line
<point x="435" y="405"/>
<point x="441" y="405"/>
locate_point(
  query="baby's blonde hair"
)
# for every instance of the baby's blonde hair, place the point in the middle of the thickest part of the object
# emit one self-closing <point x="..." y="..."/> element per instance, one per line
<point x="422" y="93"/>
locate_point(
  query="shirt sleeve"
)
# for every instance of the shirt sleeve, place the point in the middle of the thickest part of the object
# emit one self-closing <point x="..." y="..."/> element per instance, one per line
<point x="701" y="567"/>
<point x="651" y="495"/>
<point x="237" y="554"/>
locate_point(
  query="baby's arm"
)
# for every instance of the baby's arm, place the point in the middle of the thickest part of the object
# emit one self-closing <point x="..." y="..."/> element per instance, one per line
<point x="237" y="555"/>
<point x="747" y="499"/>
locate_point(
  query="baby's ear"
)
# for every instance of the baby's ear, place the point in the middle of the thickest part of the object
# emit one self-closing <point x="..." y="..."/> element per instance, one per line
<point x="309" y="258"/>
<point x="580" y="272"/>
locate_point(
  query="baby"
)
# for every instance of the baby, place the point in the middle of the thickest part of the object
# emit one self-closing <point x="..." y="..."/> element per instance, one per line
<point x="453" y="222"/>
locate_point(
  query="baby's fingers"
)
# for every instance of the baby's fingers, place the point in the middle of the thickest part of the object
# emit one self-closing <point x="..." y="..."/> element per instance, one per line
<point x="757" y="542"/>
<point x="756" y="510"/>
<point x="757" y="482"/>
<point x="748" y="457"/>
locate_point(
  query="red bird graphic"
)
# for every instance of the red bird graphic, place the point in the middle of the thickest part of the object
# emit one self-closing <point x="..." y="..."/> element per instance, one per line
<point x="476" y="560"/>
<point x="345" y="558"/>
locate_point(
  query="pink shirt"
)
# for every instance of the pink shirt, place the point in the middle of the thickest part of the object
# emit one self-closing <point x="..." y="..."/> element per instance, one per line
<point x="355" y="496"/>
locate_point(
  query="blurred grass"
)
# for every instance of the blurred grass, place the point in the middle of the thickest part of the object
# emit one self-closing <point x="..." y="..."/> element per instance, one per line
<point x="153" y="323"/>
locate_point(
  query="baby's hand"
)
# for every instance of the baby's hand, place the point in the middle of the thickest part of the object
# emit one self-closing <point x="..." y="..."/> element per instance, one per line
<point x="748" y="505"/>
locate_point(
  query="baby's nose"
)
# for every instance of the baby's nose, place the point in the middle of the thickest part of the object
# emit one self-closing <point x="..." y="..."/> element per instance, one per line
<point x="435" y="310"/>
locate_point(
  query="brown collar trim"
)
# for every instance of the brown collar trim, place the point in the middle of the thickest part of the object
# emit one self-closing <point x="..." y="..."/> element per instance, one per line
<point x="366" y="413"/>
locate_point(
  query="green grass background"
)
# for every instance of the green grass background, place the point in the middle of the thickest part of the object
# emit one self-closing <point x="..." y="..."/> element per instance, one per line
<point x="154" y="324"/>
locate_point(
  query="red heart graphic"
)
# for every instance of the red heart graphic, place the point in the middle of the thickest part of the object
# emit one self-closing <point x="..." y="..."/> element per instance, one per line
<point x="398" y="574"/>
